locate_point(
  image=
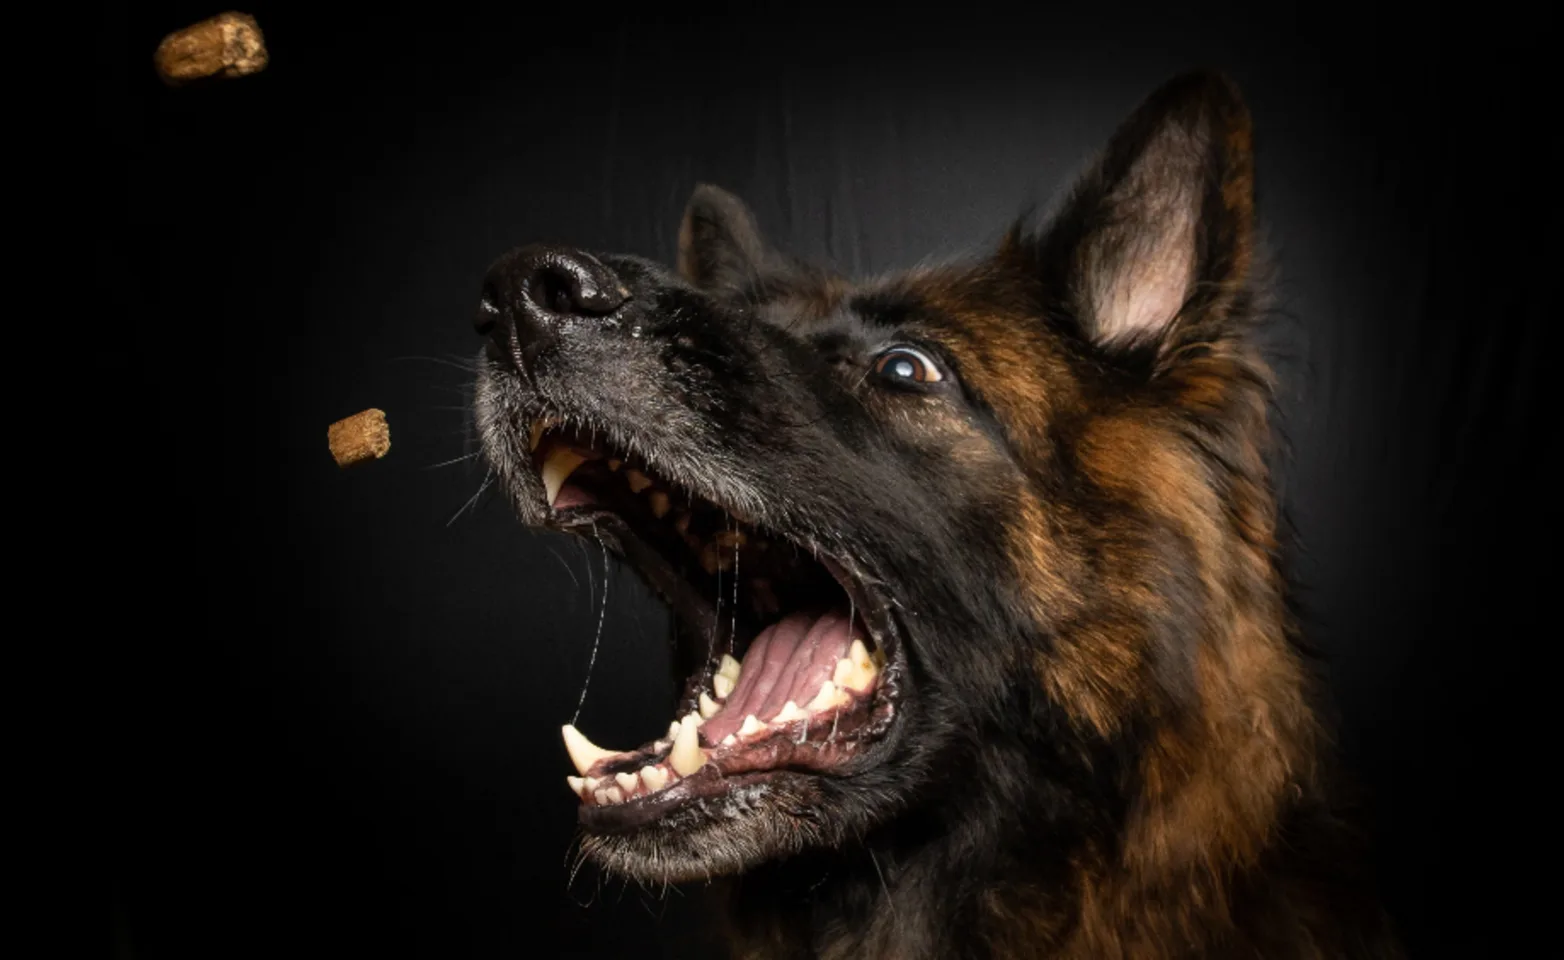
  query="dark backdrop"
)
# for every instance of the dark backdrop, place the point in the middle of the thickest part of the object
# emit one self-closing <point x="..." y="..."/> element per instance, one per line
<point x="335" y="697"/>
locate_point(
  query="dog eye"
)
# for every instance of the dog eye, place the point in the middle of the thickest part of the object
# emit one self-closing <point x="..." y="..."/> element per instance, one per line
<point x="906" y="365"/>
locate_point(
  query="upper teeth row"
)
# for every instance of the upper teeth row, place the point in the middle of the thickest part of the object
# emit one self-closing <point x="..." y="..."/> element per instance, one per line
<point x="562" y="461"/>
<point x="856" y="672"/>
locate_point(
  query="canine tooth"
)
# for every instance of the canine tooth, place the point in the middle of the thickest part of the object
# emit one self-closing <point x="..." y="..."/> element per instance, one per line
<point x="709" y="707"/>
<point x="686" y="757"/>
<point x="577" y="785"/>
<point x="859" y="654"/>
<point x="537" y="434"/>
<point x="828" y="697"/>
<point x="655" y="778"/>
<point x="789" y="713"/>
<point x="613" y="794"/>
<point x="627" y="782"/>
<point x="615" y="464"/>
<point x="638" y="481"/>
<point x="729" y="668"/>
<point x="557" y="469"/>
<point x="583" y="752"/>
<point x="751" y="726"/>
<point x="729" y="740"/>
<point x="659" y="502"/>
<point x="721" y="686"/>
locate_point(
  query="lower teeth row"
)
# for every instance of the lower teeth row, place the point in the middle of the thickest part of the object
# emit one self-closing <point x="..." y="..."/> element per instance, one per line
<point x="855" y="673"/>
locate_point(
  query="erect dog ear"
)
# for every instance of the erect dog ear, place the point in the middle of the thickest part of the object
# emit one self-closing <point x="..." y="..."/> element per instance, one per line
<point x="1156" y="237"/>
<point x="720" y="246"/>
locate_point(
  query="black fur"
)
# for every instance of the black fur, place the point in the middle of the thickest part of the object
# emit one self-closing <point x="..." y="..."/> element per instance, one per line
<point x="1045" y="696"/>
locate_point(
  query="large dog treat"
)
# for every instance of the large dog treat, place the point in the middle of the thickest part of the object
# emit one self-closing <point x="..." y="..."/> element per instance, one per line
<point x="363" y="436"/>
<point x="227" y="45"/>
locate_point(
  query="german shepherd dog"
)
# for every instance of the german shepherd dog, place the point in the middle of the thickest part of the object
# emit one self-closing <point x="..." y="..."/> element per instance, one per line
<point x="975" y="570"/>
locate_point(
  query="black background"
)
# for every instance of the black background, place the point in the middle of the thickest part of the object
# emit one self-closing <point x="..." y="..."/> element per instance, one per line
<point x="335" y="703"/>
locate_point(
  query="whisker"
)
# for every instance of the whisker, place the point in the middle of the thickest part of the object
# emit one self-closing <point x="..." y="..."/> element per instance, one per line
<point x="454" y="460"/>
<point x="470" y="366"/>
<point x="564" y="563"/>
<point x="889" y="901"/>
<point x="487" y="479"/>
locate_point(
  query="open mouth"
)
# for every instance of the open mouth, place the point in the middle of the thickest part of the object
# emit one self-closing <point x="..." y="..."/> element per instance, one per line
<point x="794" y="665"/>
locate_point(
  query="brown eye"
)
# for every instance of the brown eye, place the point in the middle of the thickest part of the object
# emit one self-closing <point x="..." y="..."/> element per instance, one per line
<point x="906" y="365"/>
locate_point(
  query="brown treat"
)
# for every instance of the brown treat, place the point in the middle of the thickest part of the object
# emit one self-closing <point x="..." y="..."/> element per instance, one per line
<point x="227" y="45"/>
<point x="363" y="436"/>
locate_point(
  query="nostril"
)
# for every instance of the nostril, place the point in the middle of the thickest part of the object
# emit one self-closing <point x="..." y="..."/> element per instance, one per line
<point x="532" y="292"/>
<point x="554" y="291"/>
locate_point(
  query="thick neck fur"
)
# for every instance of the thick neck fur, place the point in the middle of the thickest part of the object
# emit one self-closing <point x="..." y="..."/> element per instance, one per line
<point x="1198" y="831"/>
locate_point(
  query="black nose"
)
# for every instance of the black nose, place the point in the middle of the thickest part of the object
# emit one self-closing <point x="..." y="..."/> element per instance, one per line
<point x="532" y="293"/>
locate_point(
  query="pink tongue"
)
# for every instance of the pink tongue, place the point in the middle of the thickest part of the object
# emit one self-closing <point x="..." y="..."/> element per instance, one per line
<point x="788" y="661"/>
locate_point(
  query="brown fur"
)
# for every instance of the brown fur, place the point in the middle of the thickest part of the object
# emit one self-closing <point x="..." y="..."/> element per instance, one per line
<point x="1106" y="743"/>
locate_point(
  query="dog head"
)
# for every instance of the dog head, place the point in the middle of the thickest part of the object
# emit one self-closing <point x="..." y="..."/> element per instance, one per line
<point x="995" y="533"/>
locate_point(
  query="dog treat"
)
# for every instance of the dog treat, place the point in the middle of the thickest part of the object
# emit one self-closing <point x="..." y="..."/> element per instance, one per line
<point x="361" y="437"/>
<point x="227" y="45"/>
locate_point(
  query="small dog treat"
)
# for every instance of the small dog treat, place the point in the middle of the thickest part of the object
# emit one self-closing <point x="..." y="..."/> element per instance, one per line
<point x="361" y="437"/>
<point x="227" y="45"/>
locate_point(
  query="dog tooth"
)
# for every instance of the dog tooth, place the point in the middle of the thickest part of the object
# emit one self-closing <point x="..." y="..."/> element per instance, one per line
<point x="729" y="740"/>
<point x="859" y="654"/>
<point x="583" y="752"/>
<point x="828" y="697"/>
<point x="615" y="464"/>
<point x="655" y="778"/>
<point x="730" y="668"/>
<point x="659" y="502"/>
<point x="537" y="434"/>
<point x="751" y="726"/>
<point x="627" y="782"/>
<point x="722" y="685"/>
<point x="638" y="481"/>
<point x="613" y="794"/>
<point x="557" y="468"/>
<point x="789" y="713"/>
<point x="686" y="757"/>
<point x="709" y="707"/>
<point x="577" y="785"/>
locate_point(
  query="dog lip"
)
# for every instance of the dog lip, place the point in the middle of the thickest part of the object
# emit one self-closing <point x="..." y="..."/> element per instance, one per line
<point x="872" y="742"/>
